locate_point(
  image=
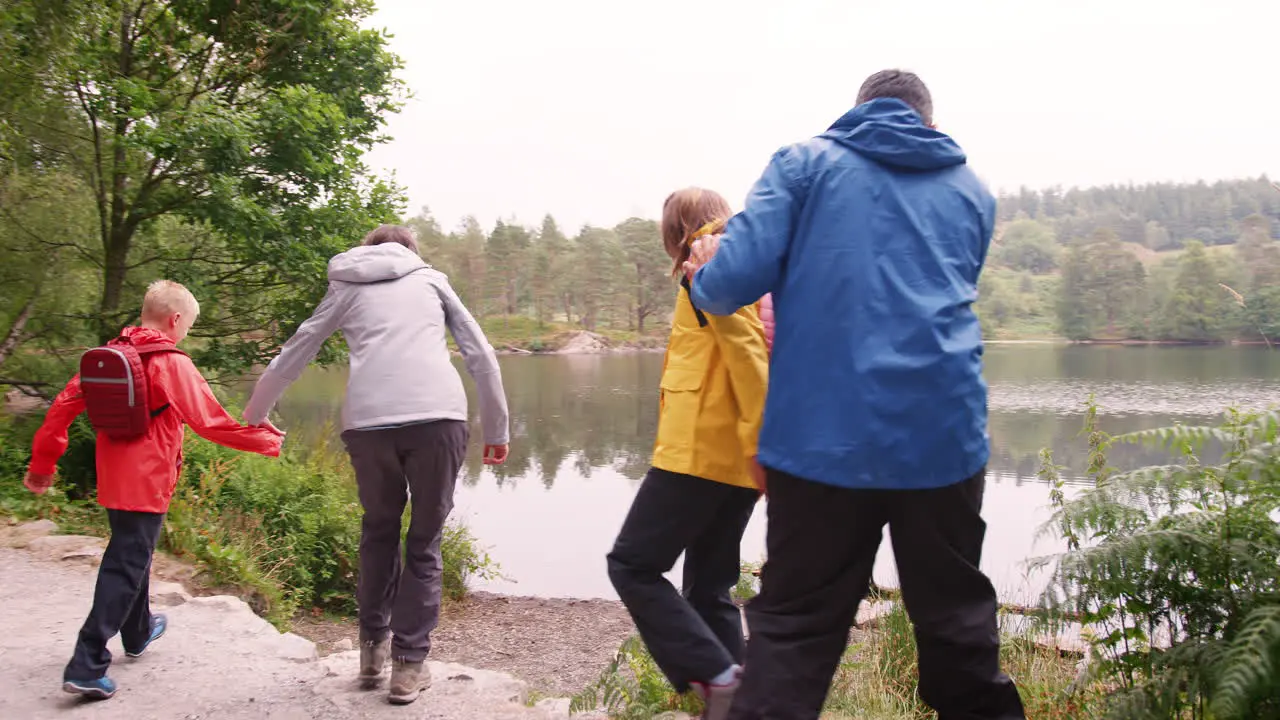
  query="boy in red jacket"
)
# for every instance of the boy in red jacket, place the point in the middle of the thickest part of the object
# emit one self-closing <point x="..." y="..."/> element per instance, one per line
<point x="136" y="479"/>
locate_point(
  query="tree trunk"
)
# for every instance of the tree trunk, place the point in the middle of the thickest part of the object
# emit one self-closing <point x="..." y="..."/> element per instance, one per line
<point x="13" y="337"/>
<point x="114" y="270"/>
<point x="567" y="299"/>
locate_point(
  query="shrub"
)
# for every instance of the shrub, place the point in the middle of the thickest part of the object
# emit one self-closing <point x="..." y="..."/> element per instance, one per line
<point x="1174" y="570"/>
<point x="633" y="688"/>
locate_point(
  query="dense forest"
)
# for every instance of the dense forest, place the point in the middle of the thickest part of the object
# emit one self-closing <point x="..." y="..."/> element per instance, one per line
<point x="1176" y="262"/>
<point x="222" y="145"/>
<point x="1098" y="263"/>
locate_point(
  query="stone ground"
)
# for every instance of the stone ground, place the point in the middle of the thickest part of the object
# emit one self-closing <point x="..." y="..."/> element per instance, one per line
<point x="558" y="646"/>
<point x="218" y="660"/>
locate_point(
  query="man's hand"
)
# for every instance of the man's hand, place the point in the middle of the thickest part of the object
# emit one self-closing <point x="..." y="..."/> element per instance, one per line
<point x="38" y="484"/>
<point x="700" y="253"/>
<point x="495" y="454"/>
<point x="759" y="477"/>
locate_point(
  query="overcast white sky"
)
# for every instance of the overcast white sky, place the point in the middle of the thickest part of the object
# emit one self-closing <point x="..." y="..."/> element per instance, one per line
<point x="593" y="110"/>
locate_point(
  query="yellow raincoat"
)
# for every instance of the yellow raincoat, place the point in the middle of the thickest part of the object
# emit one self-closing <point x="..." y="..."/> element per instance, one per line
<point x="714" y="380"/>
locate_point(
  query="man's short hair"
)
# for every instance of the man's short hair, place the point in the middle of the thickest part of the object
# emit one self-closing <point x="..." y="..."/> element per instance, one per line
<point x="398" y="234"/>
<point x="166" y="297"/>
<point x="900" y="84"/>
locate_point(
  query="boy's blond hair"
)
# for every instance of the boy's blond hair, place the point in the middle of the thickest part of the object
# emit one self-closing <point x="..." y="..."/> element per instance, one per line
<point x="166" y="297"/>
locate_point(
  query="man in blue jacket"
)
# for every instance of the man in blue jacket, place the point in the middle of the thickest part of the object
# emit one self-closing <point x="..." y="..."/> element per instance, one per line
<point x="870" y="237"/>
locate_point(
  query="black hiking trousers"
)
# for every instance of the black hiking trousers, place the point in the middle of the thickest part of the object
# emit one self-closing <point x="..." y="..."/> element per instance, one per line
<point x="696" y="634"/>
<point x="821" y="546"/>
<point x="121" y="596"/>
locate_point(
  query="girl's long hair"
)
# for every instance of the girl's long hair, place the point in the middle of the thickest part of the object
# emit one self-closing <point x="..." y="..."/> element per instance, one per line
<point x="688" y="213"/>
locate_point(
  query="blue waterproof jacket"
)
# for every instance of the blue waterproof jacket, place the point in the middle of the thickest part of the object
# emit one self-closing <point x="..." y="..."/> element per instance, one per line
<point x="870" y="237"/>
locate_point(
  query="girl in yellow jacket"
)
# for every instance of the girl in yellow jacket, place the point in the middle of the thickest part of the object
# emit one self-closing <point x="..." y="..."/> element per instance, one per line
<point x="702" y="488"/>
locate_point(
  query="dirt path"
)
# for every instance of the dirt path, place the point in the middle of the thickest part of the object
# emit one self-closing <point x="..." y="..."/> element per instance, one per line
<point x="557" y="646"/>
<point x="218" y="661"/>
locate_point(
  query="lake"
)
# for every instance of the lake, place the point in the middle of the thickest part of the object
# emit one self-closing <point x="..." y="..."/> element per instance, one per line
<point x="583" y="426"/>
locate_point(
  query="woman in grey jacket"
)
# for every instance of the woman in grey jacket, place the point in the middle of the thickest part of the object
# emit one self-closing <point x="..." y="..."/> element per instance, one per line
<point x="405" y="427"/>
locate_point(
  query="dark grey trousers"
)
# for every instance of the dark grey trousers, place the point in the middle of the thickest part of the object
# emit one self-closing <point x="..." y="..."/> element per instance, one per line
<point x="418" y="462"/>
<point x="821" y="547"/>
<point x="697" y="634"/>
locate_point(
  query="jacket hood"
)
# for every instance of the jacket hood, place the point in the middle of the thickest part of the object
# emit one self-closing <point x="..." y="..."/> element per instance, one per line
<point x="888" y="131"/>
<point x="374" y="263"/>
<point x="144" y="336"/>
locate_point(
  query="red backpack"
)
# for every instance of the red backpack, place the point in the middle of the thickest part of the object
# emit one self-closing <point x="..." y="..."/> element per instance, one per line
<point x="113" y="380"/>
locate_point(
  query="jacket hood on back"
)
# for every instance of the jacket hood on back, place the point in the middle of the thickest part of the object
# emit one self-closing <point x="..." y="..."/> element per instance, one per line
<point x="144" y="336"/>
<point x="374" y="263"/>
<point x="888" y="131"/>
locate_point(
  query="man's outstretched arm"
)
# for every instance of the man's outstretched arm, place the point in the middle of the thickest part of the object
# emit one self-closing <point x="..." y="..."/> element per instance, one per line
<point x="749" y="260"/>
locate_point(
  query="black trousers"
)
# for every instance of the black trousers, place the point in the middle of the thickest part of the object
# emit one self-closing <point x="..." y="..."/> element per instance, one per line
<point x="416" y="464"/>
<point x="695" y="635"/>
<point x="121" y="598"/>
<point x="822" y="544"/>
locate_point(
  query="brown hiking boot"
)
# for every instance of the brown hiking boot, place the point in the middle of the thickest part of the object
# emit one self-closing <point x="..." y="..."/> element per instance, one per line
<point x="408" y="680"/>
<point x="373" y="658"/>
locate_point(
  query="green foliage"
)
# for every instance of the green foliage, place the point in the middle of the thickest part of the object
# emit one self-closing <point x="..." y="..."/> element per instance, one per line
<point x="1102" y="284"/>
<point x="876" y="679"/>
<point x="1014" y="303"/>
<point x="878" y="676"/>
<point x="1156" y="214"/>
<point x="1173" y="568"/>
<point x="633" y="688"/>
<point x="748" y="585"/>
<point x="464" y="559"/>
<point x="1194" y="310"/>
<point x="1127" y="264"/>
<point x="603" y="280"/>
<point x="1028" y="245"/>
<point x="219" y="144"/>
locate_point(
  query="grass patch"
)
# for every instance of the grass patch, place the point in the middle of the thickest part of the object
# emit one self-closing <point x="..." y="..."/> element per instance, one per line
<point x="876" y="679"/>
<point x="521" y="332"/>
<point x="878" y="676"/>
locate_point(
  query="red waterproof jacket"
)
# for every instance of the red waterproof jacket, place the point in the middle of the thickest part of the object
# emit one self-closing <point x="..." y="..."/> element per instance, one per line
<point x="140" y="474"/>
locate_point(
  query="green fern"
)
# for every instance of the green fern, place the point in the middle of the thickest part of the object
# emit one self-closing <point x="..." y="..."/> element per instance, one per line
<point x="1251" y="671"/>
<point x="1174" y="569"/>
<point x="632" y="687"/>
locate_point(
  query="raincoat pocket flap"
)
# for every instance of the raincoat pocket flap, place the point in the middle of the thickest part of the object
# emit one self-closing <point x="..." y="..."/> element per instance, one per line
<point x="682" y="379"/>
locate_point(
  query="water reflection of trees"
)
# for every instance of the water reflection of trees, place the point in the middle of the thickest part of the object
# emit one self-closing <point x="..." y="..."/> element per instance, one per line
<point x="589" y="411"/>
<point x="1018" y="437"/>
<point x="581" y="413"/>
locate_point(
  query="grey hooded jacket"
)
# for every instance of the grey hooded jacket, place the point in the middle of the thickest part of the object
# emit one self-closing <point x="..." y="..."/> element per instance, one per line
<point x="393" y="309"/>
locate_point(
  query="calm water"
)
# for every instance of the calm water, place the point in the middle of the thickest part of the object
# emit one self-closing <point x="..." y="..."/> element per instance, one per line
<point x="583" y="428"/>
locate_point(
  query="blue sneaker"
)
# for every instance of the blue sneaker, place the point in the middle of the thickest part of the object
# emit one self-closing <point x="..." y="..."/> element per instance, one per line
<point x="99" y="689"/>
<point x="158" y="625"/>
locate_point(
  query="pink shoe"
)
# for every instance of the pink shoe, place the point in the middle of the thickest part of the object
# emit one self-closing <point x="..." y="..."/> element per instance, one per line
<point x="717" y="699"/>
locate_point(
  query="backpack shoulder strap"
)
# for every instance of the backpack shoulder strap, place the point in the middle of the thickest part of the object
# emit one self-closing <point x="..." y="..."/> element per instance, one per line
<point x="688" y="289"/>
<point x="158" y="349"/>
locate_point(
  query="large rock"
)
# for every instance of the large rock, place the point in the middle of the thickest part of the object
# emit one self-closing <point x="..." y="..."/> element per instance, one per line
<point x="74" y="548"/>
<point x="168" y="594"/>
<point x="21" y="535"/>
<point x="584" y="343"/>
<point x="218" y="661"/>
